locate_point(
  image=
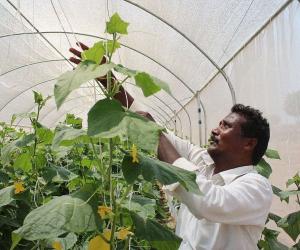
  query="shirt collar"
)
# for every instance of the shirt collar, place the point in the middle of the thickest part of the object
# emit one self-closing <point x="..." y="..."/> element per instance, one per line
<point x="231" y="174"/>
<point x="206" y="158"/>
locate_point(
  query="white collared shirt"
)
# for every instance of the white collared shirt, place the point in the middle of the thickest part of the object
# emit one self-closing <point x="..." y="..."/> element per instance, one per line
<point x="233" y="210"/>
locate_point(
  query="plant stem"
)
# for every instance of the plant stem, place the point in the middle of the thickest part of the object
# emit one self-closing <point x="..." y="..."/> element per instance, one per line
<point x="35" y="137"/>
<point x="109" y="88"/>
<point x="109" y="170"/>
<point x="126" y="246"/>
<point x="98" y="160"/>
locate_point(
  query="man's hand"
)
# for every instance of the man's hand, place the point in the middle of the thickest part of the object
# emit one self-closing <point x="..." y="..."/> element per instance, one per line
<point x="122" y="96"/>
<point x="146" y="115"/>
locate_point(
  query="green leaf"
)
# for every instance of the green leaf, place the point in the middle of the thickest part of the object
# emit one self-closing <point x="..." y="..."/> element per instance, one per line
<point x="4" y="177"/>
<point x="15" y="240"/>
<point x="274" y="217"/>
<point x="76" y="122"/>
<point x="68" y="213"/>
<point x="291" y="224"/>
<point x="143" y="206"/>
<point x="38" y="98"/>
<point x="66" y="242"/>
<point x="111" y="46"/>
<point x="6" y="195"/>
<point x="125" y="71"/>
<point x="23" y="161"/>
<point x="9" y="148"/>
<point x="278" y="192"/>
<point x="71" y="80"/>
<point x="264" y="168"/>
<point x="130" y="170"/>
<point x="159" y="237"/>
<point x="285" y="194"/>
<point x="295" y="180"/>
<point x="108" y="119"/>
<point x="116" y="25"/>
<point x="165" y="173"/>
<point x="150" y="85"/>
<point x="95" y="53"/>
<point x="66" y="134"/>
<point x="272" y="154"/>
<point x="58" y="174"/>
<point x="45" y="135"/>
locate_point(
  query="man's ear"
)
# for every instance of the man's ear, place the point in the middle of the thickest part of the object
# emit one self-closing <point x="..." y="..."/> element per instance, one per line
<point x="250" y="144"/>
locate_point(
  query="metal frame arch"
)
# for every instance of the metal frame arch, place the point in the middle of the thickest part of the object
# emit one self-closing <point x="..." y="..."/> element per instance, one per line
<point x="25" y="90"/>
<point x="31" y="64"/>
<point x="220" y="70"/>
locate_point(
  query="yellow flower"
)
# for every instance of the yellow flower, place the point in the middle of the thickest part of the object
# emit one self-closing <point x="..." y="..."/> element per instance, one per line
<point x="123" y="233"/>
<point x="19" y="188"/>
<point x="57" y="245"/>
<point x="134" y="154"/>
<point x="103" y="211"/>
<point x="98" y="243"/>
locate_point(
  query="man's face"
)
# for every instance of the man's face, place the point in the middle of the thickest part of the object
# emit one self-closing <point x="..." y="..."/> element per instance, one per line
<point x="227" y="140"/>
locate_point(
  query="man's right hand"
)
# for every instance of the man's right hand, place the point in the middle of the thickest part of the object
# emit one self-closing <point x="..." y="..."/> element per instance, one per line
<point x="125" y="98"/>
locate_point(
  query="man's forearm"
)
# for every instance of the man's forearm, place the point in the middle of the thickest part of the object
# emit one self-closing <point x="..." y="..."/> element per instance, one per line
<point x="166" y="151"/>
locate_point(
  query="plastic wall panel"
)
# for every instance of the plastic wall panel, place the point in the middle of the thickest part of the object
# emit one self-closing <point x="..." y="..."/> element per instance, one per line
<point x="217" y="101"/>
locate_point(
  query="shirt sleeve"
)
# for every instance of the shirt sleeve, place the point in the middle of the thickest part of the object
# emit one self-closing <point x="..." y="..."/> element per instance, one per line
<point x="186" y="149"/>
<point x="245" y="201"/>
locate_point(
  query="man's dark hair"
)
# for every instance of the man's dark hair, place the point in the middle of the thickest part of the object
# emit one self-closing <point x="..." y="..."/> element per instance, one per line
<point x="255" y="127"/>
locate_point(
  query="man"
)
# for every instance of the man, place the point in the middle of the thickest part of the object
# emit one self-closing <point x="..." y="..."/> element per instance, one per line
<point x="236" y="200"/>
<point x="232" y="212"/>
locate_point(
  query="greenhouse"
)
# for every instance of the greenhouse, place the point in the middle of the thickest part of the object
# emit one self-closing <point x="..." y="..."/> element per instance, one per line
<point x="113" y="112"/>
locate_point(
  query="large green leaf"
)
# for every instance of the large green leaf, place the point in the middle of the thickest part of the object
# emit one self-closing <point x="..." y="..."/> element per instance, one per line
<point x="45" y="135"/>
<point x="94" y="53"/>
<point x="108" y="119"/>
<point x="263" y="168"/>
<point x="6" y="195"/>
<point x="143" y="206"/>
<point x="272" y="154"/>
<point x="58" y="174"/>
<point x="71" y="80"/>
<point x="130" y="170"/>
<point x="165" y="173"/>
<point x="9" y="148"/>
<point x="68" y="213"/>
<point x="116" y="25"/>
<point x="159" y="237"/>
<point x="149" y="84"/>
<point x="66" y="134"/>
<point x="291" y="224"/>
<point x="23" y="161"/>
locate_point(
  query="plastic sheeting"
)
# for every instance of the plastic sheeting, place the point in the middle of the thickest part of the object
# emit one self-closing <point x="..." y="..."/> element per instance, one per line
<point x="178" y="41"/>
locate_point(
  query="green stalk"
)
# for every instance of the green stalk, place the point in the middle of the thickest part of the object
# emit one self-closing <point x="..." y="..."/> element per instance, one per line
<point x="35" y="137"/>
<point x="126" y="246"/>
<point x="98" y="160"/>
<point x="113" y="203"/>
<point x="298" y="187"/>
<point x="109" y="90"/>
<point x="113" y="228"/>
<point x="109" y="170"/>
